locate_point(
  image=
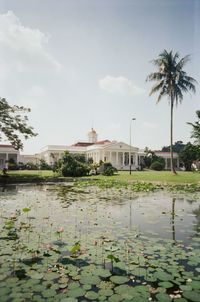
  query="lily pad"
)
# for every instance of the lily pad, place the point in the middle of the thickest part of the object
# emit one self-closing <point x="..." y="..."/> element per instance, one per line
<point x="192" y="295"/>
<point x="93" y="280"/>
<point x="77" y="292"/>
<point x="162" y="297"/>
<point x="91" y="295"/>
<point x="165" y="284"/>
<point x="104" y="273"/>
<point x="119" y="279"/>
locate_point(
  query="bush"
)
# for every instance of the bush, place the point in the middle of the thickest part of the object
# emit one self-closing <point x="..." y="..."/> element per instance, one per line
<point x="44" y="165"/>
<point x="107" y="169"/>
<point x="157" y="165"/>
<point x="70" y="166"/>
<point x="74" y="170"/>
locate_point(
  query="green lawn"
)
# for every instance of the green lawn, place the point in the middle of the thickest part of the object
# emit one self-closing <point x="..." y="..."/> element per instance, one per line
<point x="158" y="176"/>
<point x="43" y="173"/>
<point x="149" y="176"/>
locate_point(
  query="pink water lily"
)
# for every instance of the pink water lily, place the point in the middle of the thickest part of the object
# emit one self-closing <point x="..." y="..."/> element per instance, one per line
<point x="60" y="230"/>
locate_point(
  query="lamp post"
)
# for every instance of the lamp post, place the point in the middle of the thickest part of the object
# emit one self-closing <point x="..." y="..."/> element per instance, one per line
<point x="133" y="119"/>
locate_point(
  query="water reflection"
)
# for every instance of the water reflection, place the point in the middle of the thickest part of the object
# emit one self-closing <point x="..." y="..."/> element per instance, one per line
<point x="196" y="212"/>
<point x="173" y="219"/>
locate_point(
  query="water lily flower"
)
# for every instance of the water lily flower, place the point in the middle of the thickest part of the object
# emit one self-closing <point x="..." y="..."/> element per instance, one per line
<point x="60" y="230"/>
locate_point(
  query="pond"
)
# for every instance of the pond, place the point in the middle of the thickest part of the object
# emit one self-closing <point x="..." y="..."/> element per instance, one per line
<point x="70" y="243"/>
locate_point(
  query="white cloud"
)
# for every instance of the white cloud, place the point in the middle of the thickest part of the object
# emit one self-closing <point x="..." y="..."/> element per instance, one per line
<point x="119" y="85"/>
<point x="24" y="47"/>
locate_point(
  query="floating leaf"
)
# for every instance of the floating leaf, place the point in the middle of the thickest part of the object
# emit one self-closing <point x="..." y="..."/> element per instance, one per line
<point x="91" y="295"/>
<point x="192" y="295"/>
<point x="162" y="297"/>
<point x="119" y="279"/>
<point x="26" y="210"/>
<point x="165" y="284"/>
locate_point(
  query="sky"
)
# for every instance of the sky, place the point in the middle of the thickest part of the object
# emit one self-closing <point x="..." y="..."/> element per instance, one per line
<point x="80" y="64"/>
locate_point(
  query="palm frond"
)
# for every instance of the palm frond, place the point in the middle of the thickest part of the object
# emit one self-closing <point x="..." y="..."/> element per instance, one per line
<point x="155" y="76"/>
<point x="182" y="62"/>
<point x="157" y="87"/>
<point x="171" y="80"/>
<point x="188" y="85"/>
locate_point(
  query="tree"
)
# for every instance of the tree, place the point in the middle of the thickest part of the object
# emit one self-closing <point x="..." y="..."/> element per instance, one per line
<point x="13" y="124"/>
<point x="176" y="147"/>
<point x="189" y="154"/>
<point x="68" y="165"/>
<point x="171" y="81"/>
<point x="196" y="128"/>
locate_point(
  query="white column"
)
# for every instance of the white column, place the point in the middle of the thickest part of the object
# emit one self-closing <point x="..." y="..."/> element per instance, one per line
<point x="123" y="160"/>
<point x="136" y="160"/>
<point x="117" y="159"/>
<point x="110" y="156"/>
<point x="6" y="156"/>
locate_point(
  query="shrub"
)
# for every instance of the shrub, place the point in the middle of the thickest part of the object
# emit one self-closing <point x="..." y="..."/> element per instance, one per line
<point x="74" y="170"/>
<point x="157" y="165"/>
<point x="44" y="165"/>
<point x="70" y="166"/>
<point x="107" y="169"/>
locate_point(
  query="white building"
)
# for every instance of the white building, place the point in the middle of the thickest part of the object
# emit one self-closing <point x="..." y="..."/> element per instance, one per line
<point x="167" y="158"/>
<point x="119" y="154"/>
<point x="7" y="153"/>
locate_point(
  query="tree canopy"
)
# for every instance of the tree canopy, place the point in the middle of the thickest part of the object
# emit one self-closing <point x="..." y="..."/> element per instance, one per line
<point x="176" y="147"/>
<point x="196" y="128"/>
<point x="13" y="124"/>
<point x="189" y="154"/>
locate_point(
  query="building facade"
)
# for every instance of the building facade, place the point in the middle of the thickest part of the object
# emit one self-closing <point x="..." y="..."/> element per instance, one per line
<point x="7" y="153"/>
<point x="119" y="154"/>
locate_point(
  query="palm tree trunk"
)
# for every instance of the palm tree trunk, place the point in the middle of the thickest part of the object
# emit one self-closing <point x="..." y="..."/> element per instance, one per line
<point x="171" y="136"/>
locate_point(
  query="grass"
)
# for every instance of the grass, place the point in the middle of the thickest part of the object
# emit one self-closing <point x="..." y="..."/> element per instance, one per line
<point x="156" y="176"/>
<point x="163" y="177"/>
<point x="42" y="173"/>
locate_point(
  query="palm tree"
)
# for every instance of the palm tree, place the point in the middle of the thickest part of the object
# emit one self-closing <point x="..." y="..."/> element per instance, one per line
<point x="171" y="81"/>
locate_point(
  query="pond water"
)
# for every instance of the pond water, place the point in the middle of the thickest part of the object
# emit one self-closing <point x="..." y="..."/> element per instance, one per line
<point x="65" y="243"/>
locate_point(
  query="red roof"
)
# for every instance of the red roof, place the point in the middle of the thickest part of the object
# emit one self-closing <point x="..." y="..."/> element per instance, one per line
<point x="86" y="144"/>
<point x="102" y="142"/>
<point x="82" y="144"/>
<point x="6" y="146"/>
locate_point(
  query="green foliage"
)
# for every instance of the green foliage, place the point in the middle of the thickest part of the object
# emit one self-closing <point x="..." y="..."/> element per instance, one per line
<point x="196" y="128"/>
<point x="176" y="147"/>
<point x="113" y="258"/>
<point x="150" y="158"/>
<point x="12" y="165"/>
<point x="69" y="165"/>
<point x="189" y="154"/>
<point x="26" y="210"/>
<point x="44" y="165"/>
<point x="80" y="158"/>
<point x="90" y="161"/>
<point x="13" y="123"/>
<point x="157" y="165"/>
<point x="31" y="166"/>
<point x="107" y="169"/>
